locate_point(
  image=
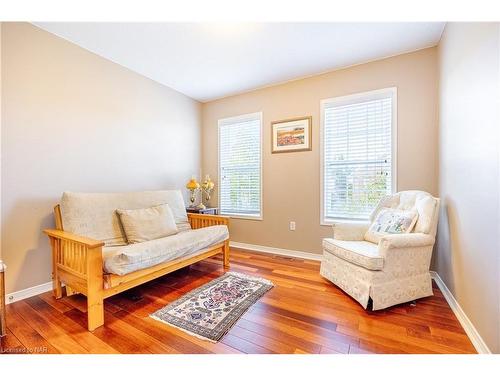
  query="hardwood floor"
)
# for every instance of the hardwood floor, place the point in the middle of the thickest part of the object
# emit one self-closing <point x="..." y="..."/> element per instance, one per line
<point x="303" y="313"/>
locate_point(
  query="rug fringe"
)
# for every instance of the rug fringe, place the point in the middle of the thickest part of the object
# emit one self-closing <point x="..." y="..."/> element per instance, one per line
<point x="182" y="329"/>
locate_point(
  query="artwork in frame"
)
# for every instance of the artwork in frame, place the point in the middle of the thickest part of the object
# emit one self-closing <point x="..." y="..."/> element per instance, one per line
<point x="291" y="135"/>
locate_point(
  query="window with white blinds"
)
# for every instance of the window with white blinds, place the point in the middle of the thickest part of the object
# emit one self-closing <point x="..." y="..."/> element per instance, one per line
<point x="240" y="165"/>
<point x="358" y="153"/>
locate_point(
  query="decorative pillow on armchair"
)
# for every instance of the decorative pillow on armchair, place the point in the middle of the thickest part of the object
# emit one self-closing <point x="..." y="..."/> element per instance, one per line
<point x="391" y="221"/>
<point x="145" y="224"/>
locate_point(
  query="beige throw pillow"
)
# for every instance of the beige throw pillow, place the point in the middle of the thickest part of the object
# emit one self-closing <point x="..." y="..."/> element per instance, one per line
<point x="145" y="224"/>
<point x="391" y="221"/>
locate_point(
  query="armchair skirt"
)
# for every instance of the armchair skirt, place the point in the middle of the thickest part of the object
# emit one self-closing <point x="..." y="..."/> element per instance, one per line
<point x="390" y="286"/>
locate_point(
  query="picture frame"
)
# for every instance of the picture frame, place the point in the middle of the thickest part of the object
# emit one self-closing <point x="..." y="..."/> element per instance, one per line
<point x="291" y="135"/>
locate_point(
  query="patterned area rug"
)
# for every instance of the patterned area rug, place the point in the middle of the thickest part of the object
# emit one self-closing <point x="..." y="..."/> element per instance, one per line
<point x="209" y="312"/>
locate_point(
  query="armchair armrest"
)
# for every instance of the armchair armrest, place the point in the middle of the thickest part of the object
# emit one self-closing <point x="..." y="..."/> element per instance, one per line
<point x="391" y="241"/>
<point x="89" y="243"/>
<point x="350" y="231"/>
<point x="202" y="220"/>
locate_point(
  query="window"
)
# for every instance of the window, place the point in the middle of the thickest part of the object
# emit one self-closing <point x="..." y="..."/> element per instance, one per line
<point x="240" y="166"/>
<point x="358" y="153"/>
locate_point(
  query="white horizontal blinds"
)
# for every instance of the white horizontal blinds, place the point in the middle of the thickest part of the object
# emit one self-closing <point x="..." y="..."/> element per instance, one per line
<point x="240" y="165"/>
<point x="357" y="155"/>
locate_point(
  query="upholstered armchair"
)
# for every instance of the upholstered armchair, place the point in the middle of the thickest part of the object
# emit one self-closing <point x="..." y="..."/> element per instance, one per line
<point x="392" y="269"/>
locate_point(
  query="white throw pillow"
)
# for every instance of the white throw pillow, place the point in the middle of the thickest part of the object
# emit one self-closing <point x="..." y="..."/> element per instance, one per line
<point x="391" y="221"/>
<point x="145" y="224"/>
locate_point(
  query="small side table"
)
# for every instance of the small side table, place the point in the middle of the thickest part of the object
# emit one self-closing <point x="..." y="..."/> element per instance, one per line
<point x="208" y="210"/>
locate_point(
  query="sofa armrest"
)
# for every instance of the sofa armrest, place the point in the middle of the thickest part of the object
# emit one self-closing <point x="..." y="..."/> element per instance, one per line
<point x="77" y="262"/>
<point x="89" y="243"/>
<point x="202" y="220"/>
<point x="392" y="241"/>
<point x="350" y="231"/>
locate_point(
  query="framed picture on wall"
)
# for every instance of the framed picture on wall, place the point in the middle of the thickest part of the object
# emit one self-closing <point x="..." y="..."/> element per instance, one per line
<point x="291" y="135"/>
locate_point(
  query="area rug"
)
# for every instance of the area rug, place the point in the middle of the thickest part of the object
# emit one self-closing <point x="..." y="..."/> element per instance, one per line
<point x="209" y="312"/>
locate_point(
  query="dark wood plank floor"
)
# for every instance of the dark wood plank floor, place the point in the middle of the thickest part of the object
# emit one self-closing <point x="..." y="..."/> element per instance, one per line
<point x="303" y="313"/>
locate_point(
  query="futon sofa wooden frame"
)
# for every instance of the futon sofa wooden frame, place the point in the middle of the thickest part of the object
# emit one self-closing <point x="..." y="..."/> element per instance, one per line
<point x="77" y="262"/>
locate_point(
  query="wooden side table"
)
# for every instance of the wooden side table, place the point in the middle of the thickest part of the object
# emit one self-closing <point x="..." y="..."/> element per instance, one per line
<point x="208" y="210"/>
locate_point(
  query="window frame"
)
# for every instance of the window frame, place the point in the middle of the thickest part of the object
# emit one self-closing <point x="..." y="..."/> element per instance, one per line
<point x="390" y="92"/>
<point x="228" y="121"/>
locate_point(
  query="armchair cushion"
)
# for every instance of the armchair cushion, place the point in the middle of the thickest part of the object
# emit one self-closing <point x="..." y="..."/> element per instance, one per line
<point x="362" y="253"/>
<point x="426" y="207"/>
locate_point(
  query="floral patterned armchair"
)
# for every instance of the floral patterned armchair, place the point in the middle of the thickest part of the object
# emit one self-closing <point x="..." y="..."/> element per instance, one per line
<point x="392" y="269"/>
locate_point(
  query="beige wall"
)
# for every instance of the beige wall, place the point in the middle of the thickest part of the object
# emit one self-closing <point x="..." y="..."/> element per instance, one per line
<point x="291" y="181"/>
<point x="74" y="121"/>
<point x="467" y="256"/>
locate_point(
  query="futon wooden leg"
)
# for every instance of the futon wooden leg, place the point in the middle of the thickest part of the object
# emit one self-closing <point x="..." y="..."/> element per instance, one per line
<point x="56" y="283"/>
<point x="56" y="287"/>
<point x="226" y="254"/>
<point x="95" y="313"/>
<point x="95" y="298"/>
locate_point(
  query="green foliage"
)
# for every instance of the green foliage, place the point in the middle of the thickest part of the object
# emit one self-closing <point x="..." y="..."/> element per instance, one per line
<point x="357" y="197"/>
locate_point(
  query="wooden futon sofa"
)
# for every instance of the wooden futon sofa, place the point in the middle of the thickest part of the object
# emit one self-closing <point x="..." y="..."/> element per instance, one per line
<point x="90" y="254"/>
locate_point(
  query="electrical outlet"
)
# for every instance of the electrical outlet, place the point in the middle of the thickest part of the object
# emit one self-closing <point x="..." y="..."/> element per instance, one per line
<point x="292" y="225"/>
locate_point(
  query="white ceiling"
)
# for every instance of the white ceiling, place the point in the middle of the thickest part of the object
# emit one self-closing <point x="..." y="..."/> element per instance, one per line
<point x="207" y="61"/>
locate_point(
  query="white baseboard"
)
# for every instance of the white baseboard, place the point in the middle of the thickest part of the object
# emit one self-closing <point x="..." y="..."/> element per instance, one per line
<point x="464" y="320"/>
<point x="27" y="293"/>
<point x="277" y="251"/>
